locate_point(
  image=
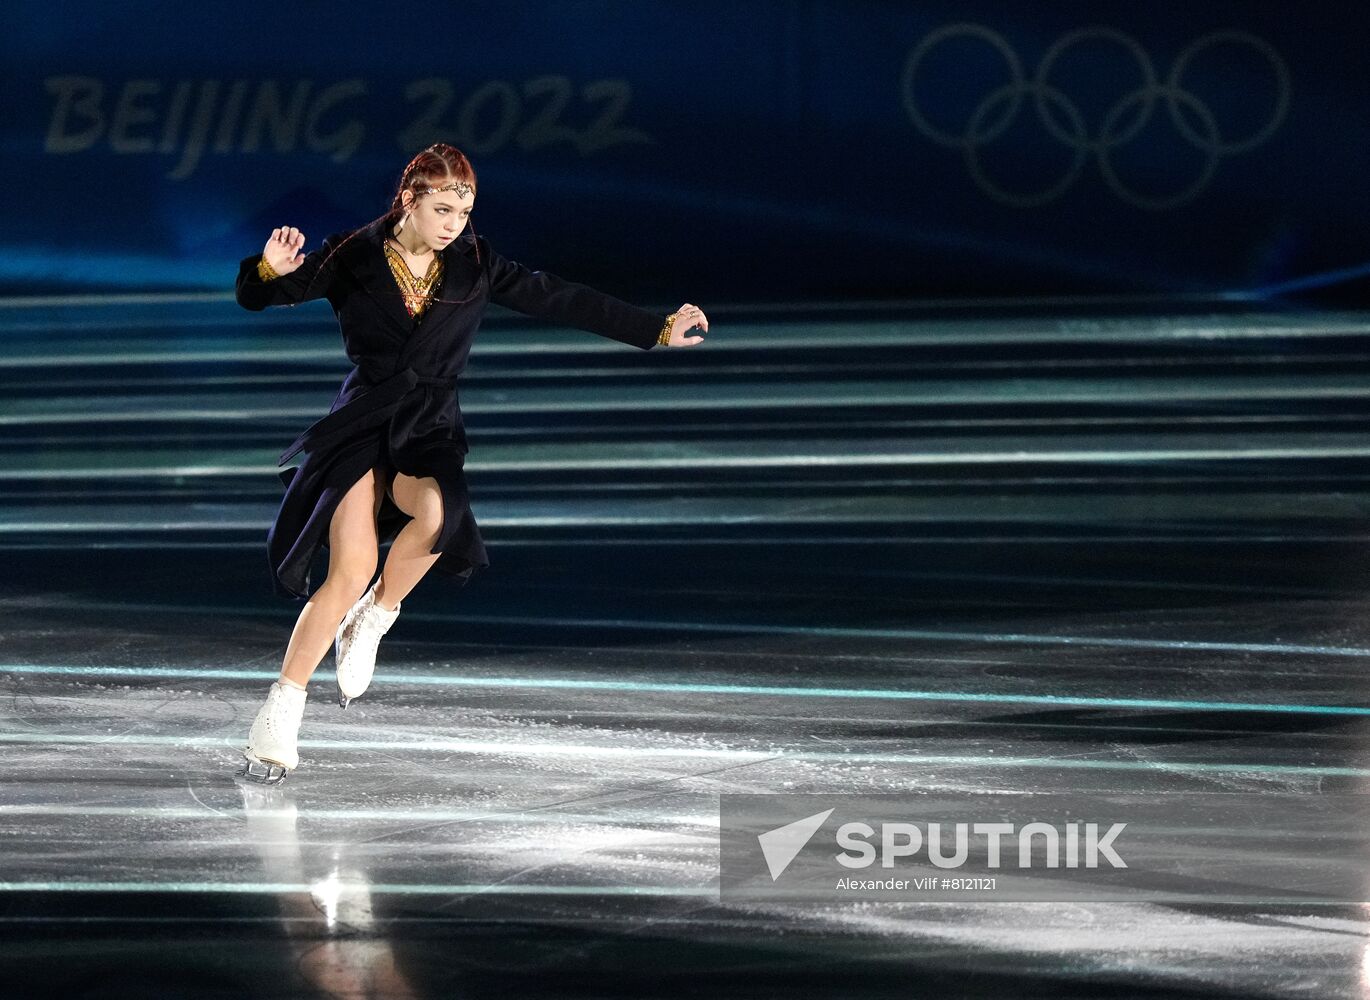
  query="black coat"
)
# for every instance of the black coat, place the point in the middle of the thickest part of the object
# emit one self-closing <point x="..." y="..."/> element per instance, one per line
<point x="397" y="409"/>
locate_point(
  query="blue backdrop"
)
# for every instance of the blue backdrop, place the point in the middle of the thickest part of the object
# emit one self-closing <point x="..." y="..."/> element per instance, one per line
<point x="701" y="150"/>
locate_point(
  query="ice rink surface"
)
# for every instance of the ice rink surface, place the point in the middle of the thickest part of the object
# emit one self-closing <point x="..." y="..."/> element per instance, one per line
<point x="922" y="552"/>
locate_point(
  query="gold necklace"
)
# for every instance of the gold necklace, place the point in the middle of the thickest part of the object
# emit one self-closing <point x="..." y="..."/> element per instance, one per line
<point x="417" y="291"/>
<point x="394" y="246"/>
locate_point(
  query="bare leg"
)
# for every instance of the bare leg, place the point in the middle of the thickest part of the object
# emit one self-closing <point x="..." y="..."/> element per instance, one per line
<point x="409" y="557"/>
<point x="353" y="554"/>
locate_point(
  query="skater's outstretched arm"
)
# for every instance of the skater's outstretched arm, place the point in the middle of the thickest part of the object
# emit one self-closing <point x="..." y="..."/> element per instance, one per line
<point x="282" y="275"/>
<point x="545" y="296"/>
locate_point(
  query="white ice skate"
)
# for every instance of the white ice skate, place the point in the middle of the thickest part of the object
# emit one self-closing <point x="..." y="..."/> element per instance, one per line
<point x="354" y="647"/>
<point x="271" y="750"/>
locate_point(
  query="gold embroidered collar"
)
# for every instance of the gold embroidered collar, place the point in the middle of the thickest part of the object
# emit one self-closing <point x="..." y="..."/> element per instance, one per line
<point x="417" y="292"/>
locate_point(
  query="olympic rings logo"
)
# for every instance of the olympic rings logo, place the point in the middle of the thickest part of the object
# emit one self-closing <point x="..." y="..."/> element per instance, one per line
<point x="1064" y="121"/>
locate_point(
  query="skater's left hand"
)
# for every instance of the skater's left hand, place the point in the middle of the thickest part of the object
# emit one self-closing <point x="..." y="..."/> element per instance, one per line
<point x="687" y="318"/>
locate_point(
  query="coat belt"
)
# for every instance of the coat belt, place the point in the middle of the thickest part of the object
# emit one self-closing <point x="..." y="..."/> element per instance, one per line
<point x="370" y="409"/>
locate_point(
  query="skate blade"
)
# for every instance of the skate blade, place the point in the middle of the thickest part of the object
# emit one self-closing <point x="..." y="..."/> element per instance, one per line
<point x="262" y="771"/>
<point x="343" y="701"/>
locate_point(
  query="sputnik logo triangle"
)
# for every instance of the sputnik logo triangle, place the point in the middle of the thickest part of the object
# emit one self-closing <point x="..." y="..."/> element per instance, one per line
<point x="783" y="844"/>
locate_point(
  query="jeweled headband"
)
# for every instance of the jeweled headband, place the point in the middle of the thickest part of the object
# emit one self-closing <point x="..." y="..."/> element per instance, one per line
<point x="461" y="187"/>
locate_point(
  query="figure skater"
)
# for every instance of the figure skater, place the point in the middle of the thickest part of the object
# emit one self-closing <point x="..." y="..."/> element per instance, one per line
<point x="386" y="463"/>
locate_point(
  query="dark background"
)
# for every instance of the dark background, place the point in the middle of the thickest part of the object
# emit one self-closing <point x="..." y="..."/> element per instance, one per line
<point x="713" y="151"/>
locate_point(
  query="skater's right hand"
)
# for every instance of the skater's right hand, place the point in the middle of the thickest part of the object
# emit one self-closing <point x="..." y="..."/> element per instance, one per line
<point x="284" y="249"/>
